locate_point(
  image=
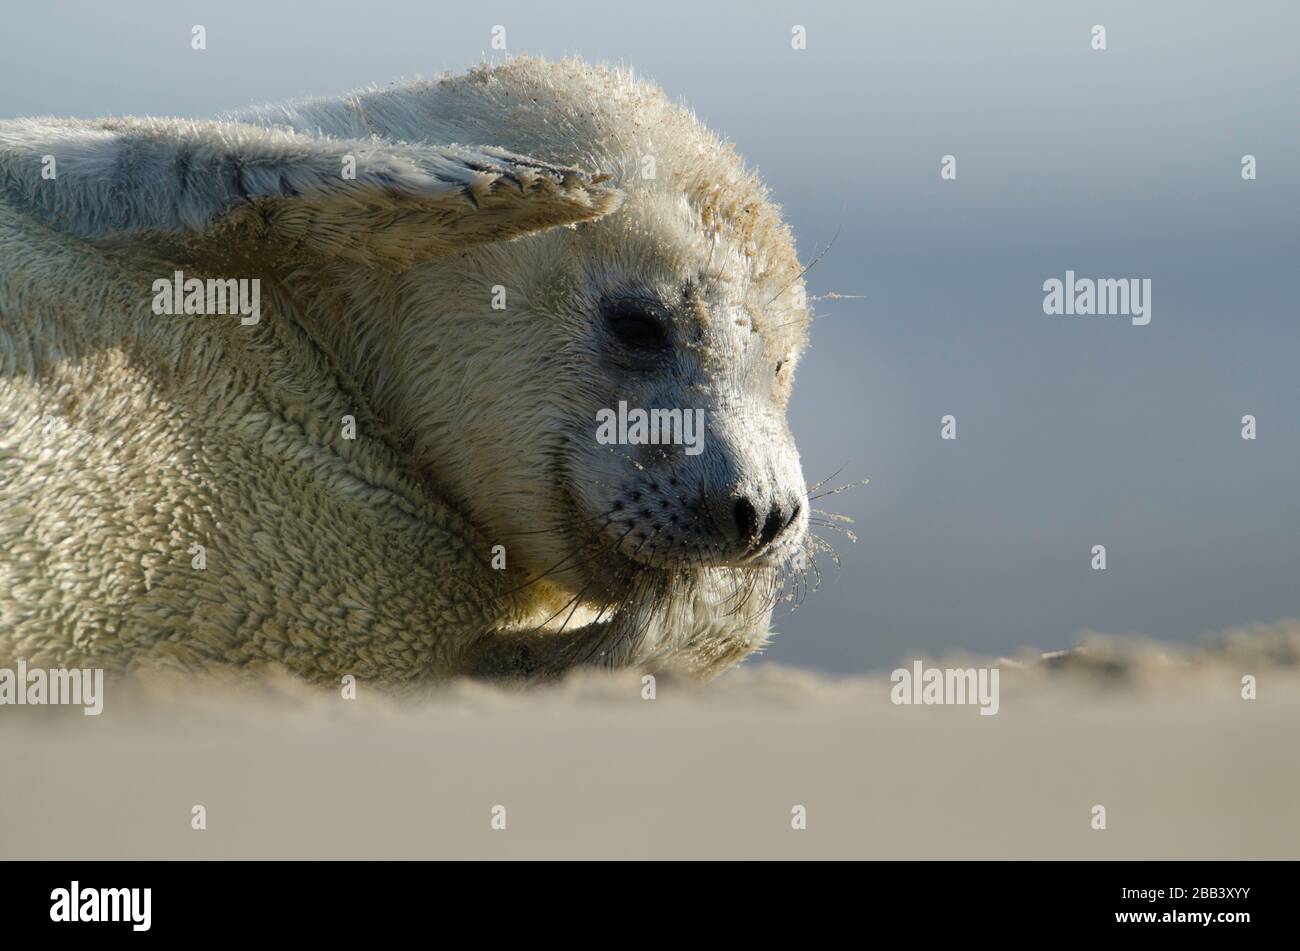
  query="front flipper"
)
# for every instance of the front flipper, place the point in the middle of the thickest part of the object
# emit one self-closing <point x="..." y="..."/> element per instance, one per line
<point x="369" y="201"/>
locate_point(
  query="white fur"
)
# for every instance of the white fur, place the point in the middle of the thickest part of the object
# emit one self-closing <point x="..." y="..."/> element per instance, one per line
<point x="129" y="437"/>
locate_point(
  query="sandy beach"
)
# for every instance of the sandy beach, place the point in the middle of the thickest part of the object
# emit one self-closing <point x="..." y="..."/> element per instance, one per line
<point x="1161" y="737"/>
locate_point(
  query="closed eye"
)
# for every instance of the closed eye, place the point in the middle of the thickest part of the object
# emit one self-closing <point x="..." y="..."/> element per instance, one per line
<point x="637" y="324"/>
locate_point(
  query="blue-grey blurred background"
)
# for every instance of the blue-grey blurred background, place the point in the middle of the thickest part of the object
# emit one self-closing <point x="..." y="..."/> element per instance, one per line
<point x="1071" y="432"/>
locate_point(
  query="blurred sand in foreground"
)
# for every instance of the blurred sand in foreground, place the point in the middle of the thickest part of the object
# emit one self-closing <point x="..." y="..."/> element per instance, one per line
<point x="1158" y="735"/>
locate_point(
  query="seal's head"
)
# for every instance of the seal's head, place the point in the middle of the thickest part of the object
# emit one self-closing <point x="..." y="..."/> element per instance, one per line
<point x="608" y="400"/>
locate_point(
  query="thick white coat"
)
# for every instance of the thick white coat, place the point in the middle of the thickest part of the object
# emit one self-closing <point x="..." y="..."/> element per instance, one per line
<point x="128" y="438"/>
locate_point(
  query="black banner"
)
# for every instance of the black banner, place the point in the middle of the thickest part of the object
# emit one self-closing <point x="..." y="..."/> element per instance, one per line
<point x="1164" y="900"/>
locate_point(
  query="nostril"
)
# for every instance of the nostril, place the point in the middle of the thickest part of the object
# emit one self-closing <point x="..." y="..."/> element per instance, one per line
<point x="794" y="514"/>
<point x="772" y="526"/>
<point x="746" y="519"/>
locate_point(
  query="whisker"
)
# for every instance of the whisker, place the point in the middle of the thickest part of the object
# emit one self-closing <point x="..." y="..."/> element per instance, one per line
<point x="838" y="490"/>
<point x="555" y="567"/>
<point x="817" y="485"/>
<point x="815" y="261"/>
